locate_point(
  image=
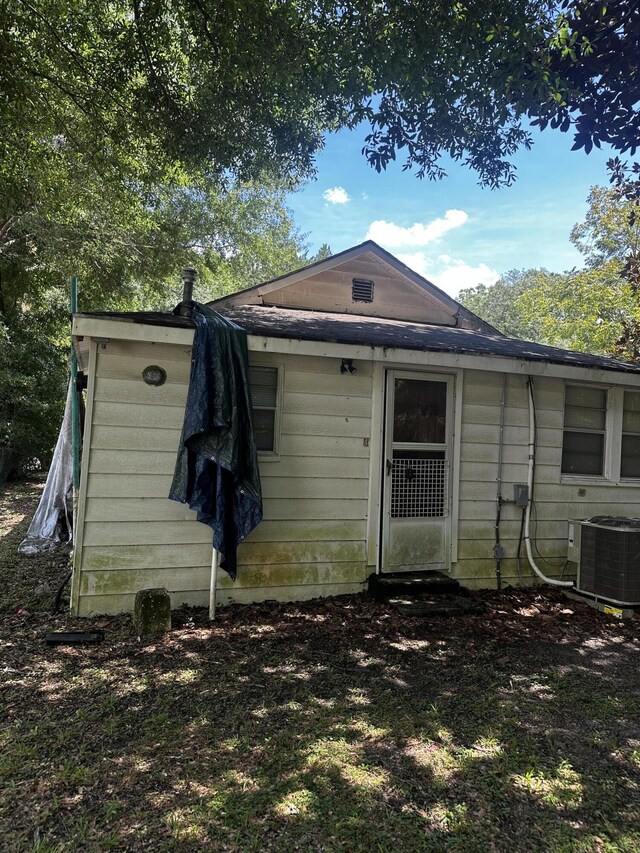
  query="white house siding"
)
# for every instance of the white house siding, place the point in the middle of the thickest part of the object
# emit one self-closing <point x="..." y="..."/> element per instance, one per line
<point x="312" y="539"/>
<point x="130" y="535"/>
<point x="555" y="501"/>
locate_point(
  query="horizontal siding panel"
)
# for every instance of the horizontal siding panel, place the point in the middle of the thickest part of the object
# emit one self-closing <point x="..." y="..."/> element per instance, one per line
<point x="133" y="580"/>
<point x="340" y="447"/>
<point x="325" y="425"/>
<point x="127" y="367"/>
<point x="293" y="531"/>
<point x="154" y="351"/>
<point x="132" y="415"/>
<point x="511" y="455"/>
<point x="136" y="509"/>
<point x="144" y="438"/>
<point x="299" y="574"/>
<point x="129" y="486"/>
<point x="514" y="436"/>
<point x="332" y="384"/>
<point x="546" y="547"/>
<point x="307" y="592"/>
<point x="551" y="510"/>
<point x="146" y="532"/>
<point x="132" y="462"/>
<point x="483" y="414"/>
<point x="486" y="388"/>
<point x="281" y="553"/>
<point x="127" y="391"/>
<point x="474" y="509"/>
<point x="311" y="364"/>
<point x="314" y="487"/>
<point x="287" y="509"/>
<point x="482" y="472"/>
<point x="310" y="466"/>
<point x="593" y="493"/>
<point x="283" y="467"/>
<point x="115" y="557"/>
<point x="94" y="605"/>
<point x="327" y="404"/>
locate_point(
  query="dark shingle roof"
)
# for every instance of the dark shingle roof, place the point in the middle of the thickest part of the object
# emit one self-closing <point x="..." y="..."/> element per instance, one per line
<point x="376" y="332"/>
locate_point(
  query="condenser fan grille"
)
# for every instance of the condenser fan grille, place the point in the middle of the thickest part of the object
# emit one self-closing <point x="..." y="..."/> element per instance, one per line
<point x="610" y="562"/>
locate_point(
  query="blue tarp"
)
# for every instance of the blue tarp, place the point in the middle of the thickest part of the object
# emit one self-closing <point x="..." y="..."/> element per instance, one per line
<point x="216" y="470"/>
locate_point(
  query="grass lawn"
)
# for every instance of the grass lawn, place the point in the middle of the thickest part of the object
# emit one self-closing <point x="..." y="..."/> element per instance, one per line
<point x="333" y="725"/>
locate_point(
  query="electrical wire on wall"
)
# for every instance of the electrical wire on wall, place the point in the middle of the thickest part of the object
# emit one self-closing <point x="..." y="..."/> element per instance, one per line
<point x="530" y="485"/>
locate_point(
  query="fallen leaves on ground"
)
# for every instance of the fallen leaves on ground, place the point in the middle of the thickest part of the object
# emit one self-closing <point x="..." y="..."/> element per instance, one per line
<point x="328" y="725"/>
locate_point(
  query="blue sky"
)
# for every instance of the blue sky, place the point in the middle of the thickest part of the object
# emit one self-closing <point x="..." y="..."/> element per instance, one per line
<point x="452" y="231"/>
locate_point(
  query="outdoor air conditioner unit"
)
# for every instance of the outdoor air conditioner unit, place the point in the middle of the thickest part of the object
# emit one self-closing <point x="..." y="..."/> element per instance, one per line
<point x="607" y="551"/>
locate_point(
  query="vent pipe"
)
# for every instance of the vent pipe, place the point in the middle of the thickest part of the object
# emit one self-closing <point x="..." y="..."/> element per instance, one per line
<point x="188" y="281"/>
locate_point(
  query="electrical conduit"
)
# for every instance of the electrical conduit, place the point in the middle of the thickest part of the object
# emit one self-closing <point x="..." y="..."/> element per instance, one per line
<point x="527" y="515"/>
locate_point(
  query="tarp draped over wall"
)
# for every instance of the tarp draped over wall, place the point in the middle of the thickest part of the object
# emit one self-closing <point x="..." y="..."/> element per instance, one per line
<point x="53" y="519"/>
<point x="216" y="470"/>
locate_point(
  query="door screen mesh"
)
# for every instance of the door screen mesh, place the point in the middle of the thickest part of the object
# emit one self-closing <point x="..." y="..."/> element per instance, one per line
<point x="418" y="487"/>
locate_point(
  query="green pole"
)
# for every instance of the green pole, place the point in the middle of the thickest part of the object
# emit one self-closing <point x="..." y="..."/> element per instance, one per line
<point x="75" y="425"/>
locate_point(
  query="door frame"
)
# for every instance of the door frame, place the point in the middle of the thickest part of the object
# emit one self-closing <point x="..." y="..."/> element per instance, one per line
<point x="378" y="520"/>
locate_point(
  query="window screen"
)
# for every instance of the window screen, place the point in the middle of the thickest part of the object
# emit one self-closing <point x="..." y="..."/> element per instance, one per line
<point x="630" y="457"/>
<point x="420" y="413"/>
<point x="583" y="441"/>
<point x="264" y="396"/>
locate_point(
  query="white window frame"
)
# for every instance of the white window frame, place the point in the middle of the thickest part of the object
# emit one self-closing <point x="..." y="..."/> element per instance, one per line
<point x="612" y="438"/>
<point x="274" y="454"/>
<point x="632" y="481"/>
<point x="606" y="456"/>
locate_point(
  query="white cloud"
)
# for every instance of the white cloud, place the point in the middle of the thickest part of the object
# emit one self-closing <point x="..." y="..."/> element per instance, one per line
<point x="418" y="262"/>
<point x="336" y="195"/>
<point x="454" y="276"/>
<point x="419" y="234"/>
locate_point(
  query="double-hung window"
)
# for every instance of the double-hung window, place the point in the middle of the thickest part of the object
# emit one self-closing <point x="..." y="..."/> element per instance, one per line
<point x="630" y="451"/>
<point x="265" y="382"/>
<point x="584" y="436"/>
<point x="601" y="435"/>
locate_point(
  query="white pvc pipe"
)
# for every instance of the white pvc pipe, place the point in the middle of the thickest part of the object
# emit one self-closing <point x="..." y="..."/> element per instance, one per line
<point x="527" y="515"/>
<point x="215" y="557"/>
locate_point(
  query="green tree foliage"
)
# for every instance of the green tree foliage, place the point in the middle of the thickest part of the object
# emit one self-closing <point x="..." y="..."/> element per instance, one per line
<point x="136" y="136"/>
<point x="500" y="304"/>
<point x="251" y="85"/>
<point x="127" y="257"/>
<point x="592" y="309"/>
<point x="33" y="378"/>
<point x="597" y="308"/>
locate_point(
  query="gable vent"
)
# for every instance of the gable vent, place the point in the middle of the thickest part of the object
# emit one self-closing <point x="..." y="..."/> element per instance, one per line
<point x="361" y="290"/>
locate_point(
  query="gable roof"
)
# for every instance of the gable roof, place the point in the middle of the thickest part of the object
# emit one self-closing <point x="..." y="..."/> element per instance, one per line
<point x="323" y="285"/>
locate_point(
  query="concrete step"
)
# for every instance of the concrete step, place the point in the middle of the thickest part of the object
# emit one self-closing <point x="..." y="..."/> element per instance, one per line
<point x="392" y="584"/>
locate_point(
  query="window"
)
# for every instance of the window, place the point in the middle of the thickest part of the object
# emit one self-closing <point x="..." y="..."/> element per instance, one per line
<point x="630" y="452"/>
<point x="264" y="397"/>
<point x="585" y="420"/>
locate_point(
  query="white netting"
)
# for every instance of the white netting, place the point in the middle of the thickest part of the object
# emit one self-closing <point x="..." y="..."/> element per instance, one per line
<point x="52" y="522"/>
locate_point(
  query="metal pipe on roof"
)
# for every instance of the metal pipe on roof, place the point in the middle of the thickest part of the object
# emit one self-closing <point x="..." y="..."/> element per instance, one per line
<point x="189" y="275"/>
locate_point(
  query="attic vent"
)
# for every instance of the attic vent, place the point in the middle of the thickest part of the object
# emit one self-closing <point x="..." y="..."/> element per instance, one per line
<point x="361" y="290"/>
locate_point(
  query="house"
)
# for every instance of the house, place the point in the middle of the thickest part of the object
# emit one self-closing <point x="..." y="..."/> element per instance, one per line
<point x="394" y="433"/>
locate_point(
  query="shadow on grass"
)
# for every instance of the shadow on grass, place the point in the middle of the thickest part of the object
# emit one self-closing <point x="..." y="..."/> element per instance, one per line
<point x="325" y="726"/>
<point x="311" y="727"/>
